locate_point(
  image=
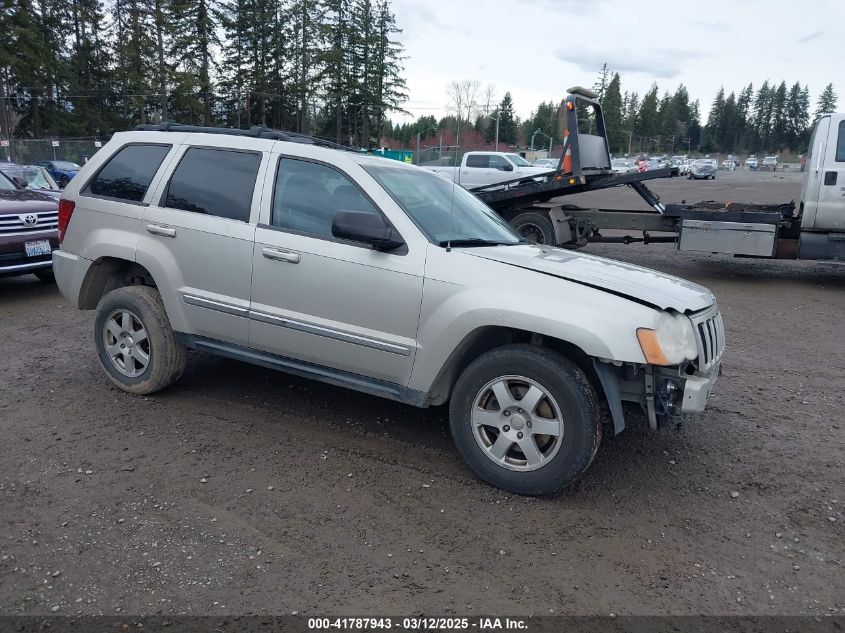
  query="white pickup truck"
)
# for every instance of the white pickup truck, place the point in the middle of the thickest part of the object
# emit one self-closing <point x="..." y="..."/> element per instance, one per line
<point x="479" y="169"/>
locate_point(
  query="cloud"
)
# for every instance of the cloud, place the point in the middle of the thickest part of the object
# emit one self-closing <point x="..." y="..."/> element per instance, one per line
<point x="809" y="37"/>
<point x="567" y="5"/>
<point x="657" y="63"/>
<point x="711" y="25"/>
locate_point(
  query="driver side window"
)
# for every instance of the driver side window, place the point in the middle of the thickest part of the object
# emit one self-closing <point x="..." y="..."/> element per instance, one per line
<point x="498" y="162"/>
<point x="308" y="195"/>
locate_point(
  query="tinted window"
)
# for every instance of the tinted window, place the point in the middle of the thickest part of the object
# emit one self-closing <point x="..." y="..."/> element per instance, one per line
<point x="308" y="195"/>
<point x="128" y="173"/>
<point x="840" y="144"/>
<point x="214" y="181"/>
<point x="477" y="160"/>
<point x="498" y="162"/>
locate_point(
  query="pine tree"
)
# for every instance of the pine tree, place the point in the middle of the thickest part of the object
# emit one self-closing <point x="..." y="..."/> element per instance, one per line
<point x="763" y="117"/>
<point x="715" y="122"/>
<point x="194" y="27"/>
<point x="611" y="105"/>
<point x="602" y="81"/>
<point x="827" y="102"/>
<point x="507" y="121"/>
<point x="647" y="120"/>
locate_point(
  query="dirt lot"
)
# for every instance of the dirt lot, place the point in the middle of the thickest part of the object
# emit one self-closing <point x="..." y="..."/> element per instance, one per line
<point x="246" y="491"/>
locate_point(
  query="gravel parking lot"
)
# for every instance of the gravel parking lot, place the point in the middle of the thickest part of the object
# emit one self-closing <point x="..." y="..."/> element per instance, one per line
<point x="241" y="490"/>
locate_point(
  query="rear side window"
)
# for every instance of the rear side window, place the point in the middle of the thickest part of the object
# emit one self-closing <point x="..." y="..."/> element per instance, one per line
<point x="215" y="182"/>
<point x="128" y="174"/>
<point x="478" y="160"/>
<point x="309" y="194"/>
<point x="840" y="144"/>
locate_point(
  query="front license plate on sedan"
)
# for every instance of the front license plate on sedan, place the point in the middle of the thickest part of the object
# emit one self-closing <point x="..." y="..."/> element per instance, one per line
<point x="39" y="247"/>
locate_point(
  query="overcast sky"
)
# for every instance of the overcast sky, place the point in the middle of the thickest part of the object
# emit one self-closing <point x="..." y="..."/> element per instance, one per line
<point x="536" y="49"/>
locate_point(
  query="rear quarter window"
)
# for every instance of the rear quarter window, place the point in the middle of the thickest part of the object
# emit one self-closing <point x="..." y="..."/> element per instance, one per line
<point x="840" y="143"/>
<point x="128" y="173"/>
<point x="478" y="160"/>
<point x="217" y="182"/>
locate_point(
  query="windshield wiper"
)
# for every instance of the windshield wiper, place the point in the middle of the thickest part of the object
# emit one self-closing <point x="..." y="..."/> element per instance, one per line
<point x="473" y="241"/>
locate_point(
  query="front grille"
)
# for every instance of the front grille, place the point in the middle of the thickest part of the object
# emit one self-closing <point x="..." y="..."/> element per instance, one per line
<point x="22" y="224"/>
<point x="710" y="333"/>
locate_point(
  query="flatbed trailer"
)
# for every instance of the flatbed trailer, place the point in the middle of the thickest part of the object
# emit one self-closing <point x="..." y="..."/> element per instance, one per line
<point x="750" y="230"/>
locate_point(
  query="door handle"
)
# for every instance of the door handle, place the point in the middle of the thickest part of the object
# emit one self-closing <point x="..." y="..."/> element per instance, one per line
<point x="164" y="231"/>
<point x="280" y="256"/>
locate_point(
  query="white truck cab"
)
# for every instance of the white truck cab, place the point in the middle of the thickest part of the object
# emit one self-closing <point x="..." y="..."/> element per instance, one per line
<point x="823" y="192"/>
<point x="479" y="169"/>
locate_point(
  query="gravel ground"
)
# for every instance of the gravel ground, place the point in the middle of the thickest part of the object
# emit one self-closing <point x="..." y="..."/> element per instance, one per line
<point x="241" y="490"/>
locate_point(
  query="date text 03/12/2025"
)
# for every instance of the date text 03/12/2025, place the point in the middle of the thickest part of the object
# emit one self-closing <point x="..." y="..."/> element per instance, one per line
<point x="418" y="624"/>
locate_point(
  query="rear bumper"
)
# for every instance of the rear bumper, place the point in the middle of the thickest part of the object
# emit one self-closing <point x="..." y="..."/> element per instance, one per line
<point x="70" y="271"/>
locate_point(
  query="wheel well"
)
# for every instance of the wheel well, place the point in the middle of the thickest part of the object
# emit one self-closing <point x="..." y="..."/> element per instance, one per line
<point x="485" y="339"/>
<point x="107" y="274"/>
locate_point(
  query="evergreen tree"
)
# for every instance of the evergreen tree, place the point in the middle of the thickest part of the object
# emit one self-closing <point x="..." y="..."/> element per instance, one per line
<point x="194" y="25"/>
<point x="507" y="121"/>
<point x="648" y="124"/>
<point x="611" y="105"/>
<point x="715" y="122"/>
<point x="827" y="102"/>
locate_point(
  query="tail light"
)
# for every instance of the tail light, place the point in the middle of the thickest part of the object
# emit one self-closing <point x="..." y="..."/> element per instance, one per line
<point x="65" y="211"/>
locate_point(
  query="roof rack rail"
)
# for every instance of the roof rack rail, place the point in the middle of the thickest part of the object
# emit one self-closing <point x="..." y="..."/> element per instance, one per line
<point x="256" y="131"/>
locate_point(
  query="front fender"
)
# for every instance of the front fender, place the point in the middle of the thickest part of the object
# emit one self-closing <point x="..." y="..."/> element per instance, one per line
<point x="599" y="323"/>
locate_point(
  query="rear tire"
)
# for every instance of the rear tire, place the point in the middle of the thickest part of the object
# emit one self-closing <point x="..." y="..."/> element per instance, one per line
<point x="135" y="344"/>
<point x="536" y="227"/>
<point x="502" y="403"/>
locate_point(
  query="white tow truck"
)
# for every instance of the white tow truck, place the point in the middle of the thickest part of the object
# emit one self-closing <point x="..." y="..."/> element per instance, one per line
<point x="814" y="229"/>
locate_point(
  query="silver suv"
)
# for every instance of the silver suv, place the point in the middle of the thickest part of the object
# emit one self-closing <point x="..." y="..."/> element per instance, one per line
<point x="376" y="276"/>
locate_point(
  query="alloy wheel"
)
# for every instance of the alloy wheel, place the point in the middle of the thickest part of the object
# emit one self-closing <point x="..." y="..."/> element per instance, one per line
<point x="517" y="423"/>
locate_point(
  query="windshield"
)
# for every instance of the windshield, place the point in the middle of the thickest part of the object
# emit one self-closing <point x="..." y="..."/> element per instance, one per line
<point x="444" y="211"/>
<point x="518" y="160"/>
<point x="35" y="177"/>
<point x="6" y="184"/>
<point x="65" y="164"/>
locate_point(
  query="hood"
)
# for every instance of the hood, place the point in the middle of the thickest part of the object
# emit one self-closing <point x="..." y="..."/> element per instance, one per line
<point x="633" y="282"/>
<point x="25" y="201"/>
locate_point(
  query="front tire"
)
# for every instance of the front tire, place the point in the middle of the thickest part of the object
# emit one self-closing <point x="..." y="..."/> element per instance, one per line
<point x="536" y="227"/>
<point x="525" y="419"/>
<point x="135" y="344"/>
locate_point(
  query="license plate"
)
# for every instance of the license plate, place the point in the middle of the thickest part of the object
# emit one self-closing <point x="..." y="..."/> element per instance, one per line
<point x="39" y="247"/>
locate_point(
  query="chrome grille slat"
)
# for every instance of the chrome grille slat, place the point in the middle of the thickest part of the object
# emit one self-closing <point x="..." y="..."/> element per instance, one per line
<point x="710" y="333"/>
<point x="13" y="224"/>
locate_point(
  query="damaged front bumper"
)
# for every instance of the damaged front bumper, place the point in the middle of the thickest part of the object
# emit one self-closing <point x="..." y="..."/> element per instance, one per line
<point x="665" y="394"/>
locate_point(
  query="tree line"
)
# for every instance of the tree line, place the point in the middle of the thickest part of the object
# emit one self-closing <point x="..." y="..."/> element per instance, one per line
<point x="771" y="119"/>
<point x="332" y="68"/>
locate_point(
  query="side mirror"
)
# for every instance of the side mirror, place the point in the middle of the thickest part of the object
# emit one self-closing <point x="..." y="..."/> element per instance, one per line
<point x="367" y="227"/>
<point x="507" y="167"/>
